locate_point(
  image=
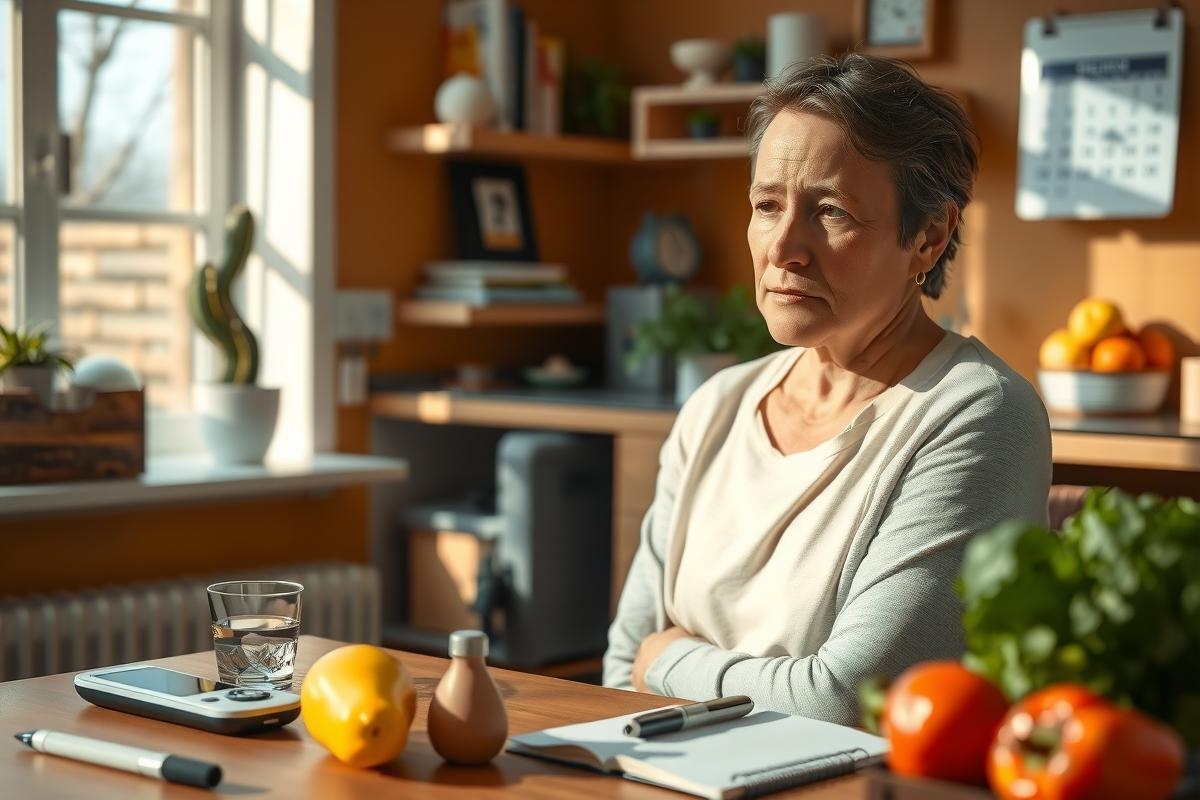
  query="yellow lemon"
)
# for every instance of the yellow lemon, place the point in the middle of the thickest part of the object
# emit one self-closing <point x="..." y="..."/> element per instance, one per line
<point x="359" y="703"/>
<point x="1094" y="319"/>
<point x="1061" y="350"/>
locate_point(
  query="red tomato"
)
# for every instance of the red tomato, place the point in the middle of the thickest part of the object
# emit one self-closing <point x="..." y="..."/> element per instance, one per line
<point x="1066" y="743"/>
<point x="940" y="718"/>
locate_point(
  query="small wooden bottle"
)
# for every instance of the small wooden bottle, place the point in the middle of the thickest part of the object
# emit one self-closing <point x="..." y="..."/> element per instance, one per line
<point x="467" y="720"/>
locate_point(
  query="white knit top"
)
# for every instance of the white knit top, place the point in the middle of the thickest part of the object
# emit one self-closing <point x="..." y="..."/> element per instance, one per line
<point x="807" y="573"/>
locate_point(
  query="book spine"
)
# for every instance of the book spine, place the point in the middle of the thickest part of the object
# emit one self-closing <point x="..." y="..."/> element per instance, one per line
<point x="516" y="67"/>
<point x="798" y="773"/>
<point x="462" y="23"/>
<point x="533" y="119"/>
<point x="495" y="52"/>
<point x="550" y="84"/>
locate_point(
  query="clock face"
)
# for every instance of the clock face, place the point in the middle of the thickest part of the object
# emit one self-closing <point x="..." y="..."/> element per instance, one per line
<point x="896" y="22"/>
<point x="678" y="253"/>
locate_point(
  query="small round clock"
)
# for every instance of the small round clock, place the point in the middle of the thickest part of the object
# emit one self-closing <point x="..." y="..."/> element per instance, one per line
<point x="665" y="249"/>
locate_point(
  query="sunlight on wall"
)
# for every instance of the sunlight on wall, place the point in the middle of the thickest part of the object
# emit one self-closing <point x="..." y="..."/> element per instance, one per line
<point x="1152" y="281"/>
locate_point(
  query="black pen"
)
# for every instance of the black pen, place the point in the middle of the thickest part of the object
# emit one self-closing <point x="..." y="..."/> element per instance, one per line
<point x="679" y="718"/>
<point x="173" y="769"/>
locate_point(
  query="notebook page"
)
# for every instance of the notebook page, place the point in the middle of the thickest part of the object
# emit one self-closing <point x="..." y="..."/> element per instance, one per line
<point x="718" y="756"/>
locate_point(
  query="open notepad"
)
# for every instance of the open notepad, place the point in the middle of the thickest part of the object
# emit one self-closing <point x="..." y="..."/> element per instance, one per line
<point x="759" y="753"/>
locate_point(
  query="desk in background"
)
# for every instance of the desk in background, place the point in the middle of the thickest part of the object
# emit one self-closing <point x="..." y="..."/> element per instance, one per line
<point x="288" y="763"/>
<point x="1086" y="450"/>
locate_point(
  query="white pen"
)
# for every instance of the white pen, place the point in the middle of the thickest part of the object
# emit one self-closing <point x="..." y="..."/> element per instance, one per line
<point x="173" y="769"/>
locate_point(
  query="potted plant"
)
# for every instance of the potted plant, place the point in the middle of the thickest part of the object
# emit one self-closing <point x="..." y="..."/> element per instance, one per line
<point x="29" y="362"/>
<point x="703" y="336"/>
<point x="237" y="417"/>
<point x="703" y="124"/>
<point x="749" y="60"/>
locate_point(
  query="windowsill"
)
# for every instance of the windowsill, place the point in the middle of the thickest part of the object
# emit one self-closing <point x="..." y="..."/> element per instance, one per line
<point x="191" y="479"/>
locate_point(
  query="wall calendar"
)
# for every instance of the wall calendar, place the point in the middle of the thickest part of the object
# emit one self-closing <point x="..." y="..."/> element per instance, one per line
<point x="1099" y="124"/>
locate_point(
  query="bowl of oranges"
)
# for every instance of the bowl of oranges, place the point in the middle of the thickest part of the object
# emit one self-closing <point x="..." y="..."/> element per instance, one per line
<point x="1097" y="365"/>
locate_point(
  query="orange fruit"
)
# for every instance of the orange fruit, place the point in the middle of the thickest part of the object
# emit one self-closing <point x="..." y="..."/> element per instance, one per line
<point x="1061" y="350"/>
<point x="1094" y="319"/>
<point x="1159" y="350"/>
<point x="1118" y="354"/>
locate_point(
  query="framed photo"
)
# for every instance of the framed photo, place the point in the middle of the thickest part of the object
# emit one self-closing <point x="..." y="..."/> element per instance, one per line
<point x="492" y="218"/>
<point x="897" y="28"/>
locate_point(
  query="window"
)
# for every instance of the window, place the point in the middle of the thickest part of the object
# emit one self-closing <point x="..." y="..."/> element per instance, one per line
<point x="124" y="191"/>
<point x="138" y="122"/>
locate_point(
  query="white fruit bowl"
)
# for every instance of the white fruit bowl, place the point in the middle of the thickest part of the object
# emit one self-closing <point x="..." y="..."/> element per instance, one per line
<point x="1083" y="392"/>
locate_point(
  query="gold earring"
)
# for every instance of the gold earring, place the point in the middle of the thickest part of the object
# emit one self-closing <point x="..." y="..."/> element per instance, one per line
<point x="920" y="279"/>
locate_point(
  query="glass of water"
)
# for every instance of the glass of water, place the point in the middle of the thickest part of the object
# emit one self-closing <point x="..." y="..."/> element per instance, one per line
<point x="255" y="625"/>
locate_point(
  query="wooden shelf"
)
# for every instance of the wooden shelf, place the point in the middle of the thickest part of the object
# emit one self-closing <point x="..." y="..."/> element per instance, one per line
<point x="722" y="147"/>
<point x="463" y="315"/>
<point x="441" y="139"/>
<point x="660" y="121"/>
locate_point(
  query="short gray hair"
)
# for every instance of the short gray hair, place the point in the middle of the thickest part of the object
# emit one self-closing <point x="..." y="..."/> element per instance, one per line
<point x="890" y="115"/>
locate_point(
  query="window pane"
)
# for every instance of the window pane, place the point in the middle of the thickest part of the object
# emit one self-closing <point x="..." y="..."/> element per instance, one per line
<point x="6" y="95"/>
<point x="126" y="99"/>
<point x="7" y="242"/>
<point x="122" y="295"/>
<point x="173" y="6"/>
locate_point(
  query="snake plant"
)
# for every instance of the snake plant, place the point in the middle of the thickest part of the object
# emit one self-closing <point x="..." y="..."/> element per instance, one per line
<point x="211" y="303"/>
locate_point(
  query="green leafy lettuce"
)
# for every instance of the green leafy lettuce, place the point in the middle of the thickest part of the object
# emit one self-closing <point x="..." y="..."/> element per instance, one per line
<point x="1111" y="602"/>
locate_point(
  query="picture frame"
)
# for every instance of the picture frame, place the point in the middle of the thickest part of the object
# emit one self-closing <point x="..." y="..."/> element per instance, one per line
<point x="493" y="220"/>
<point x="887" y="41"/>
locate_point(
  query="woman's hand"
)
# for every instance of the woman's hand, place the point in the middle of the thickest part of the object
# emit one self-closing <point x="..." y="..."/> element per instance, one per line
<point x="650" y="649"/>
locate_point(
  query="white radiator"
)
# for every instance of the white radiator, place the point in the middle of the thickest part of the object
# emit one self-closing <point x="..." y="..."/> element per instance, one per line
<point x="46" y="634"/>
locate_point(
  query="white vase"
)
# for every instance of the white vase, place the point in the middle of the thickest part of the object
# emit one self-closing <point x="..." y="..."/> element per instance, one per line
<point x="792" y="37"/>
<point x="237" y="421"/>
<point x="693" y="370"/>
<point x="464" y="99"/>
<point x="39" y="380"/>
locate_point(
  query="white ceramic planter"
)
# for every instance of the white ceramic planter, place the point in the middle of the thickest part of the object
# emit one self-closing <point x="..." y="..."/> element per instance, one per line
<point x="237" y="422"/>
<point x="691" y="371"/>
<point x="38" y="380"/>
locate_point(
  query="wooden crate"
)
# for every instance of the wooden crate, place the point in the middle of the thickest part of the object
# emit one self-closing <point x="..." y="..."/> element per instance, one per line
<point x="105" y="439"/>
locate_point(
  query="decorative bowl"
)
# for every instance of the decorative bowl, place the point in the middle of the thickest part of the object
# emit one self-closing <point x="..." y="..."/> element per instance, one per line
<point x="702" y="58"/>
<point x="1084" y="392"/>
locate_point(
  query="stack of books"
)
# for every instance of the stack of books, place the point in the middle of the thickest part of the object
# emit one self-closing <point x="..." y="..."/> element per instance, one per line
<point x="523" y="68"/>
<point x="485" y="283"/>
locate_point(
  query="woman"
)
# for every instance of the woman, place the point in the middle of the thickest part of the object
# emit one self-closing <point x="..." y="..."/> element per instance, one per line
<point x="812" y="506"/>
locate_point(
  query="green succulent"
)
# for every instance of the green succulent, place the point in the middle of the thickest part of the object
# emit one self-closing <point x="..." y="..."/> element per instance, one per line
<point x="210" y="301"/>
<point x="20" y="347"/>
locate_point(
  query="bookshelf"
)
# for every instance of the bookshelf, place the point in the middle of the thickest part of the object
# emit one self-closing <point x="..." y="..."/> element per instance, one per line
<point x="660" y="114"/>
<point x="449" y="139"/>
<point x="463" y="315"/>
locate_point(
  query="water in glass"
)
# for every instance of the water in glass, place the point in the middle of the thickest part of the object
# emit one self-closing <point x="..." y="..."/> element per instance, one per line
<point x="256" y="649"/>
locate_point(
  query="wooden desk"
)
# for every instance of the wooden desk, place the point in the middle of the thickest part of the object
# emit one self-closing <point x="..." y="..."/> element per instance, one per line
<point x="289" y="764"/>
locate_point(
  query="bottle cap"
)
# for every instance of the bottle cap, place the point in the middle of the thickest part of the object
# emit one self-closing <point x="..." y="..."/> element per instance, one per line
<point x="471" y="644"/>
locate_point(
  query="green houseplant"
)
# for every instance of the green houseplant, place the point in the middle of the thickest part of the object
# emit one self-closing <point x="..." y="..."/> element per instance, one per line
<point x="29" y="361"/>
<point x="702" y="335"/>
<point x="749" y="60"/>
<point x="237" y="417"/>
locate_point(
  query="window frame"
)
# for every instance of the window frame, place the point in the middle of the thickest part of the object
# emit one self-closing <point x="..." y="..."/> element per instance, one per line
<point x="39" y="212"/>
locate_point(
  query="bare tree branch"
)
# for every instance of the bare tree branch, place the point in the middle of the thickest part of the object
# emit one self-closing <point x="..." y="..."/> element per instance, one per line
<point x="102" y="185"/>
<point x="100" y="51"/>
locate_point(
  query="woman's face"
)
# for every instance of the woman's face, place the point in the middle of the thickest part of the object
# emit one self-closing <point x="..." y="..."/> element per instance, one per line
<point x="828" y="267"/>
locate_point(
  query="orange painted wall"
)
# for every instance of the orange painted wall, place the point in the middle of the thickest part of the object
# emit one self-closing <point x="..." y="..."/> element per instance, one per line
<point x="1017" y="279"/>
<point x="57" y="553"/>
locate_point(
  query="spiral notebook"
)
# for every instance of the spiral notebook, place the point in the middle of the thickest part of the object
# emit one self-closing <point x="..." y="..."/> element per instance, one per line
<point x="760" y="753"/>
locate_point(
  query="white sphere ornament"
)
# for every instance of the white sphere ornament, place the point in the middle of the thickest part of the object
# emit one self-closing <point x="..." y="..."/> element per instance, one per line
<point x="104" y="374"/>
<point x="464" y="99"/>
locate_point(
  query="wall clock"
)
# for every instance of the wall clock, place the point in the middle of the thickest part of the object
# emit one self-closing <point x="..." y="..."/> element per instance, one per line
<point x="896" y="28"/>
